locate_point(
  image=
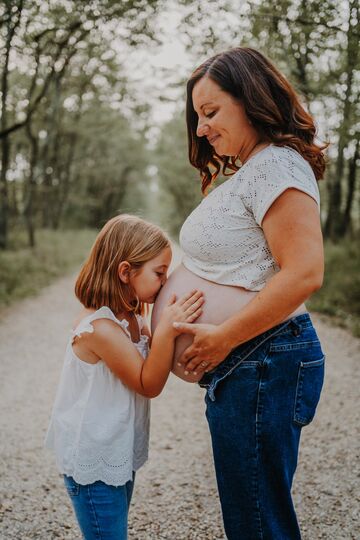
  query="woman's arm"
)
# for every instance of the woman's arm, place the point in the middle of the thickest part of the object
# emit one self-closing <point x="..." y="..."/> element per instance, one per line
<point x="292" y="230"/>
<point x="146" y="377"/>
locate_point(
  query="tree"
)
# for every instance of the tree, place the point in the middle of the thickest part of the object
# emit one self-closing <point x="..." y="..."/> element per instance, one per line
<point x="47" y="38"/>
<point x="179" y="181"/>
<point x="12" y="12"/>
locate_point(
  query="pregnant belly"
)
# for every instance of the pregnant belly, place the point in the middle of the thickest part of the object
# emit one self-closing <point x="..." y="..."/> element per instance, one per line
<point x="221" y="302"/>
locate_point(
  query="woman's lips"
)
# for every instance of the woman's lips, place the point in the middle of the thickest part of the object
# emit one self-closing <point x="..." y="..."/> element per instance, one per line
<point x="213" y="139"/>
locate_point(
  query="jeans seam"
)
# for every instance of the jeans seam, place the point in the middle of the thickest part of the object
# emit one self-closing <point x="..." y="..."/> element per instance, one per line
<point x="297" y="419"/>
<point x="98" y="532"/>
<point x="257" y="448"/>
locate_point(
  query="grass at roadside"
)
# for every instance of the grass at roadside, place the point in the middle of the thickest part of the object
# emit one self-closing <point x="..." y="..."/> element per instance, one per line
<point x="24" y="271"/>
<point x="339" y="296"/>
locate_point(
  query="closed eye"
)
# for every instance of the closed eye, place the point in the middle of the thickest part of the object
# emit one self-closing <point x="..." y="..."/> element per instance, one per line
<point x="210" y="115"/>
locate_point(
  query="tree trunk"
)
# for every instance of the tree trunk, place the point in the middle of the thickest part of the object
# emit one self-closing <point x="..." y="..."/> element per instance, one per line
<point x="334" y="221"/>
<point x="31" y="187"/>
<point x="12" y="24"/>
<point x="351" y="181"/>
<point x="64" y="186"/>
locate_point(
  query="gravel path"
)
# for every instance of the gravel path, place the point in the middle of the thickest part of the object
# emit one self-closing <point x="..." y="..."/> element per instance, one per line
<point x="175" y="494"/>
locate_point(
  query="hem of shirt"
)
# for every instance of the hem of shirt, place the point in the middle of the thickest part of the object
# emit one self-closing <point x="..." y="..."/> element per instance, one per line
<point x="203" y="275"/>
<point x="275" y="195"/>
<point x="79" y="479"/>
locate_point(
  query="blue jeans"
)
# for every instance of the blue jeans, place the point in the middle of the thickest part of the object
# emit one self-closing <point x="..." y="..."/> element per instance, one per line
<point x="101" y="510"/>
<point x="257" y="402"/>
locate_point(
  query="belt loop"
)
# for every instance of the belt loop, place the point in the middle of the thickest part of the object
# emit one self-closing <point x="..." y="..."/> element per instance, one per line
<point x="296" y="328"/>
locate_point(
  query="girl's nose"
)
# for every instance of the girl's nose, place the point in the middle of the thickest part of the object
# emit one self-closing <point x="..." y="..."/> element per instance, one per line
<point x="202" y="129"/>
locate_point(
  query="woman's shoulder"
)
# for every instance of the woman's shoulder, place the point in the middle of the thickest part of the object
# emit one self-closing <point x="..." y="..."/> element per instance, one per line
<point x="275" y="165"/>
<point x="283" y="159"/>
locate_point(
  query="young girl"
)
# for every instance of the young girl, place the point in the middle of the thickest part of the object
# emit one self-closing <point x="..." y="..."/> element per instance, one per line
<point x="99" y="428"/>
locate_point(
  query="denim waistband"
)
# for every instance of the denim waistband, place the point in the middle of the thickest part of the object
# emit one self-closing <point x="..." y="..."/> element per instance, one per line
<point x="239" y="354"/>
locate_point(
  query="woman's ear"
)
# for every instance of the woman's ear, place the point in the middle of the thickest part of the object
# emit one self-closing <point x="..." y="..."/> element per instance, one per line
<point x="124" y="271"/>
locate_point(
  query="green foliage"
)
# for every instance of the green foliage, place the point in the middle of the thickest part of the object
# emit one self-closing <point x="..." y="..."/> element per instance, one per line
<point x="65" y="133"/>
<point x="180" y="186"/>
<point x="339" y="296"/>
<point x="109" y="168"/>
<point x="24" y="271"/>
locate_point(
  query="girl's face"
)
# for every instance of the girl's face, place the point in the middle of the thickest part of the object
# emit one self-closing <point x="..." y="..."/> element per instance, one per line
<point x="148" y="280"/>
<point x="222" y="120"/>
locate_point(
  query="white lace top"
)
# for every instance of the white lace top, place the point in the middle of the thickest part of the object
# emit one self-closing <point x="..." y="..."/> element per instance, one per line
<point x="222" y="238"/>
<point x="99" y="428"/>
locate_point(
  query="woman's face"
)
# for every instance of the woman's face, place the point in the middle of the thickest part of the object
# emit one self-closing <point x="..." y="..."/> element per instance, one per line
<point x="222" y="120"/>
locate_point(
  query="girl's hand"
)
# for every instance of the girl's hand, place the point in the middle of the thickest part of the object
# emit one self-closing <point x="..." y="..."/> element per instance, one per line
<point x="187" y="309"/>
<point x="208" y="349"/>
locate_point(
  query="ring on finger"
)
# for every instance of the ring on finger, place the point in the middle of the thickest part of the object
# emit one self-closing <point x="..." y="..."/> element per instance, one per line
<point x="204" y="364"/>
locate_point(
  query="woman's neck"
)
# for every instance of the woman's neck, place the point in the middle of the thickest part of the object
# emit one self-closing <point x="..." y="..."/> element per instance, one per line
<point x="253" y="150"/>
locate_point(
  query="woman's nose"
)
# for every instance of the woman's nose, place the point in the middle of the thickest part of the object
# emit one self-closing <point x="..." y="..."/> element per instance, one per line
<point x="202" y="129"/>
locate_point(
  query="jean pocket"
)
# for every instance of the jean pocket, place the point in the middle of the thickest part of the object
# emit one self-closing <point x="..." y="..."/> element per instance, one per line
<point x="308" y="390"/>
<point x="72" y="487"/>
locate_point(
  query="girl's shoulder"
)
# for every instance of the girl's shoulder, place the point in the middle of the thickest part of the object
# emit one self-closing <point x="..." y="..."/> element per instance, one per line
<point x="84" y="322"/>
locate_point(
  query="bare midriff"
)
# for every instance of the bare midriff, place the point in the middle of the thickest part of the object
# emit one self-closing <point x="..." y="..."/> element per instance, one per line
<point x="221" y="302"/>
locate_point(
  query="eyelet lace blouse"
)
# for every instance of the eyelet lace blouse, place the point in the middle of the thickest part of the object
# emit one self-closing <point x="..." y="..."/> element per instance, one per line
<point x="99" y="428"/>
<point x="223" y="240"/>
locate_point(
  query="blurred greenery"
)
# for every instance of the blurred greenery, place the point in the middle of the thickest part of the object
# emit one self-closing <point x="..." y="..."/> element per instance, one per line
<point x="179" y="182"/>
<point x="24" y="271"/>
<point x="339" y="296"/>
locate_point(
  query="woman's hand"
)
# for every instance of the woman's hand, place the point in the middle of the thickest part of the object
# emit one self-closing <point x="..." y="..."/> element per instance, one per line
<point x="187" y="309"/>
<point x="208" y="349"/>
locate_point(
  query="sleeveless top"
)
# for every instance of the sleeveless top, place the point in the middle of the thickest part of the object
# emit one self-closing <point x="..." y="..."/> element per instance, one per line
<point x="99" y="428"/>
<point x="222" y="239"/>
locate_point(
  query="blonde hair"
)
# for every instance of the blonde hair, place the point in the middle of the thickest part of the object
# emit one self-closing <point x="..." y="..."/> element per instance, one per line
<point x="123" y="238"/>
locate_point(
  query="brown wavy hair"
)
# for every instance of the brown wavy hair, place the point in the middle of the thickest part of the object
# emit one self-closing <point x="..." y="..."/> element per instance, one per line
<point x="270" y="103"/>
<point x="123" y="238"/>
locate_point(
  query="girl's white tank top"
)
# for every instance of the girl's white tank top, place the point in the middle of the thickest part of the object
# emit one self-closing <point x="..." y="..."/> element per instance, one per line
<point x="99" y="428"/>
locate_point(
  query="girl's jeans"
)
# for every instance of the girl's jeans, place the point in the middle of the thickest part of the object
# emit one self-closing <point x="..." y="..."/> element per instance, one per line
<point x="257" y="401"/>
<point x="101" y="510"/>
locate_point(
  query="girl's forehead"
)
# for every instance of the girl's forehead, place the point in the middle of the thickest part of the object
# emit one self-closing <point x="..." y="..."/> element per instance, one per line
<point x="163" y="258"/>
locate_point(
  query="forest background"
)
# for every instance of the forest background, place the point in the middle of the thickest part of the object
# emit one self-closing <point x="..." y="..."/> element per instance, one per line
<point x="92" y="125"/>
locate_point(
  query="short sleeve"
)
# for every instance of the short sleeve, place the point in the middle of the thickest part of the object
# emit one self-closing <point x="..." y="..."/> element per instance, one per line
<point x="86" y="324"/>
<point x="141" y="321"/>
<point x="281" y="169"/>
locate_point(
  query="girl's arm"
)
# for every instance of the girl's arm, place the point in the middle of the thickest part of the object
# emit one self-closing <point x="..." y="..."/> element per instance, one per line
<point x="146" y="377"/>
<point x="292" y="230"/>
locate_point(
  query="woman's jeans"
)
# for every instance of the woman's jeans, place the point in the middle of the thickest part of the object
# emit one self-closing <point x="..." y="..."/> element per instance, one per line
<point x="101" y="510"/>
<point x="258" y="400"/>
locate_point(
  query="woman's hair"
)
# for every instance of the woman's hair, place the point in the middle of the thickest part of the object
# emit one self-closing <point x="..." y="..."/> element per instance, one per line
<point x="123" y="238"/>
<point x="270" y="103"/>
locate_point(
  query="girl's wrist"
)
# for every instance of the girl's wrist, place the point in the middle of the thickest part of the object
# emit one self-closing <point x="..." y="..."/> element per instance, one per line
<point x="165" y="330"/>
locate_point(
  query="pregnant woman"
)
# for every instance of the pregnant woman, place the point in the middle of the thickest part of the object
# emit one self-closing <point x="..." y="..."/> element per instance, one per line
<point x="254" y="247"/>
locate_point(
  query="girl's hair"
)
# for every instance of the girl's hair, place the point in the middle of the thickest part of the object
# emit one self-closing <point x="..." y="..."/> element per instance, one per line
<point x="123" y="238"/>
<point x="270" y="103"/>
